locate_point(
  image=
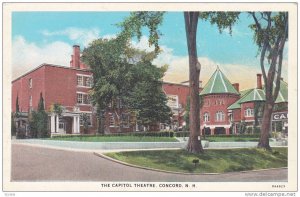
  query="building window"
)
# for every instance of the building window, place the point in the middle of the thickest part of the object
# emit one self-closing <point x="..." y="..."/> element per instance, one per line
<point x="79" y="80"/>
<point x="112" y="122"/>
<point x="84" y="81"/>
<point x="79" y="98"/>
<point x="83" y="98"/>
<point x="206" y="117"/>
<point x="89" y="82"/>
<point x="220" y="116"/>
<point x="30" y="83"/>
<point x="88" y="119"/>
<point x="61" y="125"/>
<point x="249" y="112"/>
<point x="125" y="120"/>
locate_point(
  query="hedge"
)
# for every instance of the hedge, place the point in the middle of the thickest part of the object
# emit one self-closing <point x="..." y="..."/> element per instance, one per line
<point x="137" y="134"/>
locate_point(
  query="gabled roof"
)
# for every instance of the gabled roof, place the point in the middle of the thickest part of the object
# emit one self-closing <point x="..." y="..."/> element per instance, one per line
<point x="218" y="83"/>
<point x="237" y="104"/>
<point x="255" y="94"/>
<point x="283" y="92"/>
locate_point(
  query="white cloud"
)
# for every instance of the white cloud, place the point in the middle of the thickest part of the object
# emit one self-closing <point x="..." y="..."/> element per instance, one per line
<point x="142" y="44"/>
<point x="26" y="55"/>
<point x="79" y="35"/>
<point x="179" y="70"/>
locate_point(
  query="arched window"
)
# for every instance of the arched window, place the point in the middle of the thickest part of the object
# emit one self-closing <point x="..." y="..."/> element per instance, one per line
<point x="220" y="116"/>
<point x="249" y="112"/>
<point x="206" y="117"/>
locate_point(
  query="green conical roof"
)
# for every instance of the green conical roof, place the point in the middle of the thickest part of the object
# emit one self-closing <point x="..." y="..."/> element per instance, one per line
<point x="218" y="83"/>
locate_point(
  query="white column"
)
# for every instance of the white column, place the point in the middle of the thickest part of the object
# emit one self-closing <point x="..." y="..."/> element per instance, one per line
<point x="57" y="123"/>
<point x="78" y="124"/>
<point x="52" y="123"/>
<point x="74" y="125"/>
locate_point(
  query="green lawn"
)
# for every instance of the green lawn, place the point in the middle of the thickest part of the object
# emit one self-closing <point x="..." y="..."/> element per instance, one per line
<point x="116" y="139"/>
<point x="212" y="161"/>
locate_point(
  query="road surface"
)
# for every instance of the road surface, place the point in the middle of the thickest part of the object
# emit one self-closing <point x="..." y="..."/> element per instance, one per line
<point x="31" y="163"/>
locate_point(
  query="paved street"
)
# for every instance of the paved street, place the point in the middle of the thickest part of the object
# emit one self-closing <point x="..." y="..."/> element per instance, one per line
<point x="43" y="164"/>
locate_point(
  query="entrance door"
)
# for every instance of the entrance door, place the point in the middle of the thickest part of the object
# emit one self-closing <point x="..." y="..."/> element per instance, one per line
<point x="62" y="127"/>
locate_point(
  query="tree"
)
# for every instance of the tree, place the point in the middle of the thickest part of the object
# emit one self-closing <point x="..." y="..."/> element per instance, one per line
<point x="108" y="61"/>
<point x="270" y="35"/>
<point x="39" y="121"/>
<point x="85" y="122"/>
<point x="17" y="104"/>
<point x="121" y="74"/>
<point x="147" y="99"/>
<point x="132" y="27"/>
<point x="13" y="124"/>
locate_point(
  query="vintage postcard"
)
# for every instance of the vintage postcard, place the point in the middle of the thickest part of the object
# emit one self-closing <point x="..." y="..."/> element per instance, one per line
<point x="150" y="97"/>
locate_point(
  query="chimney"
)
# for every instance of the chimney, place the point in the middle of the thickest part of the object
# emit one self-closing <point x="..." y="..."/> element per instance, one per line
<point x="236" y="86"/>
<point x="76" y="57"/>
<point x="259" y="84"/>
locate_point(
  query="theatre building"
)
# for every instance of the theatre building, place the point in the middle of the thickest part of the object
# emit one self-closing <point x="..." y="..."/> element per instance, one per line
<point x="217" y="95"/>
<point x="227" y="110"/>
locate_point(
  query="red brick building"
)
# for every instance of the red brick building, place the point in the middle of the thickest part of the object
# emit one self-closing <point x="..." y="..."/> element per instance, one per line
<point x="217" y="95"/>
<point x="224" y="107"/>
<point x="69" y="87"/>
<point x="177" y="95"/>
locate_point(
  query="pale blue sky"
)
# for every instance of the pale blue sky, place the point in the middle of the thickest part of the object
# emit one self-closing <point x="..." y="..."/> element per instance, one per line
<point x="35" y="33"/>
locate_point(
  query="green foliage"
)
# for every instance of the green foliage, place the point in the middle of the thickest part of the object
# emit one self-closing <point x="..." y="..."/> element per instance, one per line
<point x="124" y="74"/>
<point x="13" y="125"/>
<point x="41" y="106"/>
<point x="268" y="27"/>
<point x="241" y="127"/>
<point x="258" y="111"/>
<point x="38" y="124"/>
<point x="55" y="108"/>
<point x="121" y="137"/>
<point x="223" y="20"/>
<point x="38" y="121"/>
<point x="147" y="98"/>
<point x="85" y="122"/>
<point x="17" y="104"/>
<point x="132" y="26"/>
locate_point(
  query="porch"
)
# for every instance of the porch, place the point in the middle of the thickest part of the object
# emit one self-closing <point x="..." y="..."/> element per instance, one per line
<point x="66" y="123"/>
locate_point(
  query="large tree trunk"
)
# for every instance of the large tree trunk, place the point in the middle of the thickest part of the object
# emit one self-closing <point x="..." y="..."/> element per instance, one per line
<point x="191" y="22"/>
<point x="265" y="127"/>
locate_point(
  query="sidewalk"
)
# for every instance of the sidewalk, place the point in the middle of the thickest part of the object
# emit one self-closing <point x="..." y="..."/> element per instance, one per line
<point x="131" y="146"/>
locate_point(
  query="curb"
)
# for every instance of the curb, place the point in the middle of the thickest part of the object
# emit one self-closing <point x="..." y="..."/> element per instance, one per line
<point x="180" y="173"/>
